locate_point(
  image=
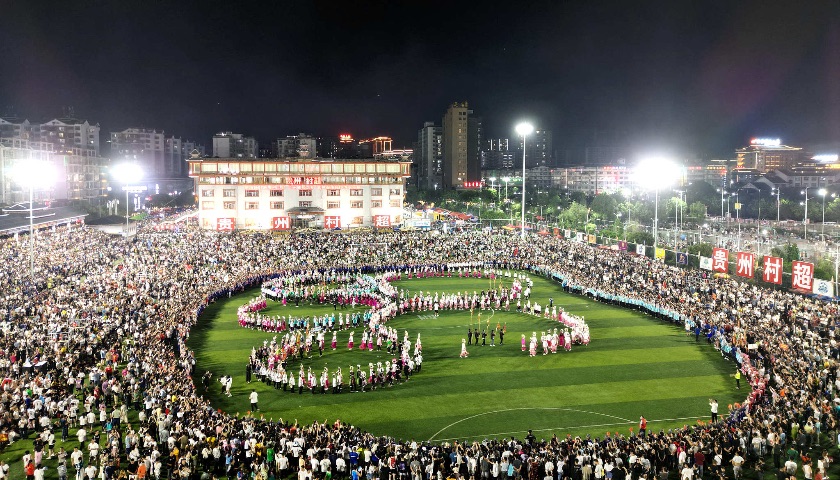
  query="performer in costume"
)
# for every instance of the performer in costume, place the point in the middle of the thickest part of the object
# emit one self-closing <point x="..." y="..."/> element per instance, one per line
<point x="464" y="353"/>
<point x="350" y="342"/>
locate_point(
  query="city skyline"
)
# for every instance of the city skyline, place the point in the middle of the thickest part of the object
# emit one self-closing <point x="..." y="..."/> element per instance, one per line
<point x="653" y="75"/>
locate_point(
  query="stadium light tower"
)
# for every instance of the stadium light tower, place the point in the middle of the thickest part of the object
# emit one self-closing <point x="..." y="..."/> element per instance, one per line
<point x="656" y="174"/>
<point x="523" y="129"/>
<point x="125" y="174"/>
<point x="31" y="174"/>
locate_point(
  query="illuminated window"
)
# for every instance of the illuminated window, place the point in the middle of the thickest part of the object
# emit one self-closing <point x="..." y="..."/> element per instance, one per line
<point x="357" y="204"/>
<point x="304" y="193"/>
<point x="396" y="203"/>
<point x="207" y="205"/>
<point x="304" y="204"/>
<point x="229" y="205"/>
<point x="333" y="204"/>
<point x="252" y="193"/>
<point x="276" y="205"/>
<point x="252" y="205"/>
<point x="229" y="192"/>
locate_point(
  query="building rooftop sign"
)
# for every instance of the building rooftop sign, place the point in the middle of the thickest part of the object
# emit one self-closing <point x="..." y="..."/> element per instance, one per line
<point x="766" y="142"/>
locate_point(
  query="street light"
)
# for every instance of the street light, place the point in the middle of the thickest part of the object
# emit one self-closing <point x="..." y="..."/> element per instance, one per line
<point x="124" y="174"/>
<point x="722" y="193"/>
<point x="654" y="174"/>
<point x="33" y="173"/>
<point x="805" y="221"/>
<point x="523" y="129"/>
<point x="822" y="193"/>
<point x="493" y="185"/>
<point x="778" y="193"/>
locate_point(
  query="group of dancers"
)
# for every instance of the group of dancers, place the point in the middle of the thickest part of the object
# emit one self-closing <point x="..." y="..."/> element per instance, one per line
<point x="270" y="364"/>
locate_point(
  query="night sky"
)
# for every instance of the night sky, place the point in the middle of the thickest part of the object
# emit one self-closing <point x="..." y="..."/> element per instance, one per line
<point x="668" y="75"/>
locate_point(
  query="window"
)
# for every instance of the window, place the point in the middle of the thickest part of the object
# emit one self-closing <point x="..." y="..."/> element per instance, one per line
<point x="357" y="220"/>
<point x="252" y="205"/>
<point x="207" y="205"/>
<point x="252" y="193"/>
<point x="229" y="205"/>
<point x="396" y="203"/>
<point x="333" y="204"/>
<point x="275" y="193"/>
<point x="375" y="203"/>
<point x="332" y="193"/>
<point x="357" y="192"/>
<point x="208" y="192"/>
<point x="276" y="205"/>
<point x="376" y="192"/>
<point x="396" y="191"/>
<point x="229" y="192"/>
<point x="357" y="204"/>
<point x="305" y="193"/>
<point x="304" y="204"/>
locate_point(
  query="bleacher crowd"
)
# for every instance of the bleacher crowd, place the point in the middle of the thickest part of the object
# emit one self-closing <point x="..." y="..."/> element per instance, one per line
<point x="97" y="334"/>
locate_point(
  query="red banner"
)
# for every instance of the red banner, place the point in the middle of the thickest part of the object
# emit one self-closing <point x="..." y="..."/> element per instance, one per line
<point x="332" y="221"/>
<point x="622" y="245"/>
<point x="281" y="223"/>
<point x="746" y="265"/>
<point x="225" y="224"/>
<point x="381" y="221"/>
<point x="720" y="260"/>
<point x="802" y="276"/>
<point x="773" y="269"/>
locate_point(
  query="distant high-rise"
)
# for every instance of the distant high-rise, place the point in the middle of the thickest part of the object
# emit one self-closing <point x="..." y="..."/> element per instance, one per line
<point x="461" y="158"/>
<point x="64" y="134"/>
<point x="234" y="145"/>
<point x="767" y="154"/>
<point x="297" y="146"/>
<point x="497" y="155"/>
<point x="540" y="149"/>
<point x="161" y="157"/>
<point x="429" y="155"/>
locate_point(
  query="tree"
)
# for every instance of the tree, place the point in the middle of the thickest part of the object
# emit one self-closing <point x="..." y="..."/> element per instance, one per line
<point x="574" y="216"/>
<point x="604" y="206"/>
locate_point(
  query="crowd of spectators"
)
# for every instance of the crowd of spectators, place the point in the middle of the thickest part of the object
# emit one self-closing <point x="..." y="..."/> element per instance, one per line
<point x="96" y="336"/>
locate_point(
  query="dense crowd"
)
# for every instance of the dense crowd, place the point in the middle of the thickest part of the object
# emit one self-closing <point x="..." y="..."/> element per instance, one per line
<point x="99" y="331"/>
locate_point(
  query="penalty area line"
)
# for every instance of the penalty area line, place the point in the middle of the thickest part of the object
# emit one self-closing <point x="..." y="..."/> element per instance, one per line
<point x="561" y="429"/>
<point x="624" y="420"/>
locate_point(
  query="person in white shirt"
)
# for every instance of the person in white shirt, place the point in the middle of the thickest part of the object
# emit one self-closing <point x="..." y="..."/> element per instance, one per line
<point x="687" y="473"/>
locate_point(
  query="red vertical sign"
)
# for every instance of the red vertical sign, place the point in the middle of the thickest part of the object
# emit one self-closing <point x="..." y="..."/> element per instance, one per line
<point x="720" y="260"/>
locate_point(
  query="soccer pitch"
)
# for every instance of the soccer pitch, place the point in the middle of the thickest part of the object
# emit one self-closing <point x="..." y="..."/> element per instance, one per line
<point x="635" y="365"/>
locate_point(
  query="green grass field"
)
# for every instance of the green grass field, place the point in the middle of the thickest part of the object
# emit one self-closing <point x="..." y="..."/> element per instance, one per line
<point x="635" y="365"/>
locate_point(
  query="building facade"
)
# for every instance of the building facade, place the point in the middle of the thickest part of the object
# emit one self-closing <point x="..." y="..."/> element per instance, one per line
<point x="297" y="146"/>
<point x="765" y="155"/>
<point x="234" y="145"/>
<point x="78" y="173"/>
<point x="63" y="134"/>
<point x="429" y="155"/>
<point x="159" y="156"/>
<point x="284" y="195"/>
<point x="455" y="149"/>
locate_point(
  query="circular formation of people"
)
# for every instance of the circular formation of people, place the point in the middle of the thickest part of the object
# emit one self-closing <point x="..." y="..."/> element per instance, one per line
<point x="98" y="375"/>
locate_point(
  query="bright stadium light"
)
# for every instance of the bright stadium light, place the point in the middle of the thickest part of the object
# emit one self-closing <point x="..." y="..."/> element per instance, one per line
<point x="656" y="174"/>
<point x="32" y="174"/>
<point x="127" y="173"/>
<point x="524" y="129"/>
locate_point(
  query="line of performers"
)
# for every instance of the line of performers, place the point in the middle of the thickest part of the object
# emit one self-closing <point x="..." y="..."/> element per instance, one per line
<point x="498" y="298"/>
<point x="269" y="364"/>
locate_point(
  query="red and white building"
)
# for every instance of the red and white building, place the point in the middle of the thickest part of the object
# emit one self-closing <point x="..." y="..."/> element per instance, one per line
<point x="271" y="194"/>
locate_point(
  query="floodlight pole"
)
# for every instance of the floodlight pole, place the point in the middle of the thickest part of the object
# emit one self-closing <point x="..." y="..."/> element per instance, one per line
<point x="126" y="211"/>
<point x="655" y="221"/>
<point x="31" y="235"/>
<point x="524" y="148"/>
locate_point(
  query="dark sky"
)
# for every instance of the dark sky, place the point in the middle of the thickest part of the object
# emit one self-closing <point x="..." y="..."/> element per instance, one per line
<point x="676" y="74"/>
